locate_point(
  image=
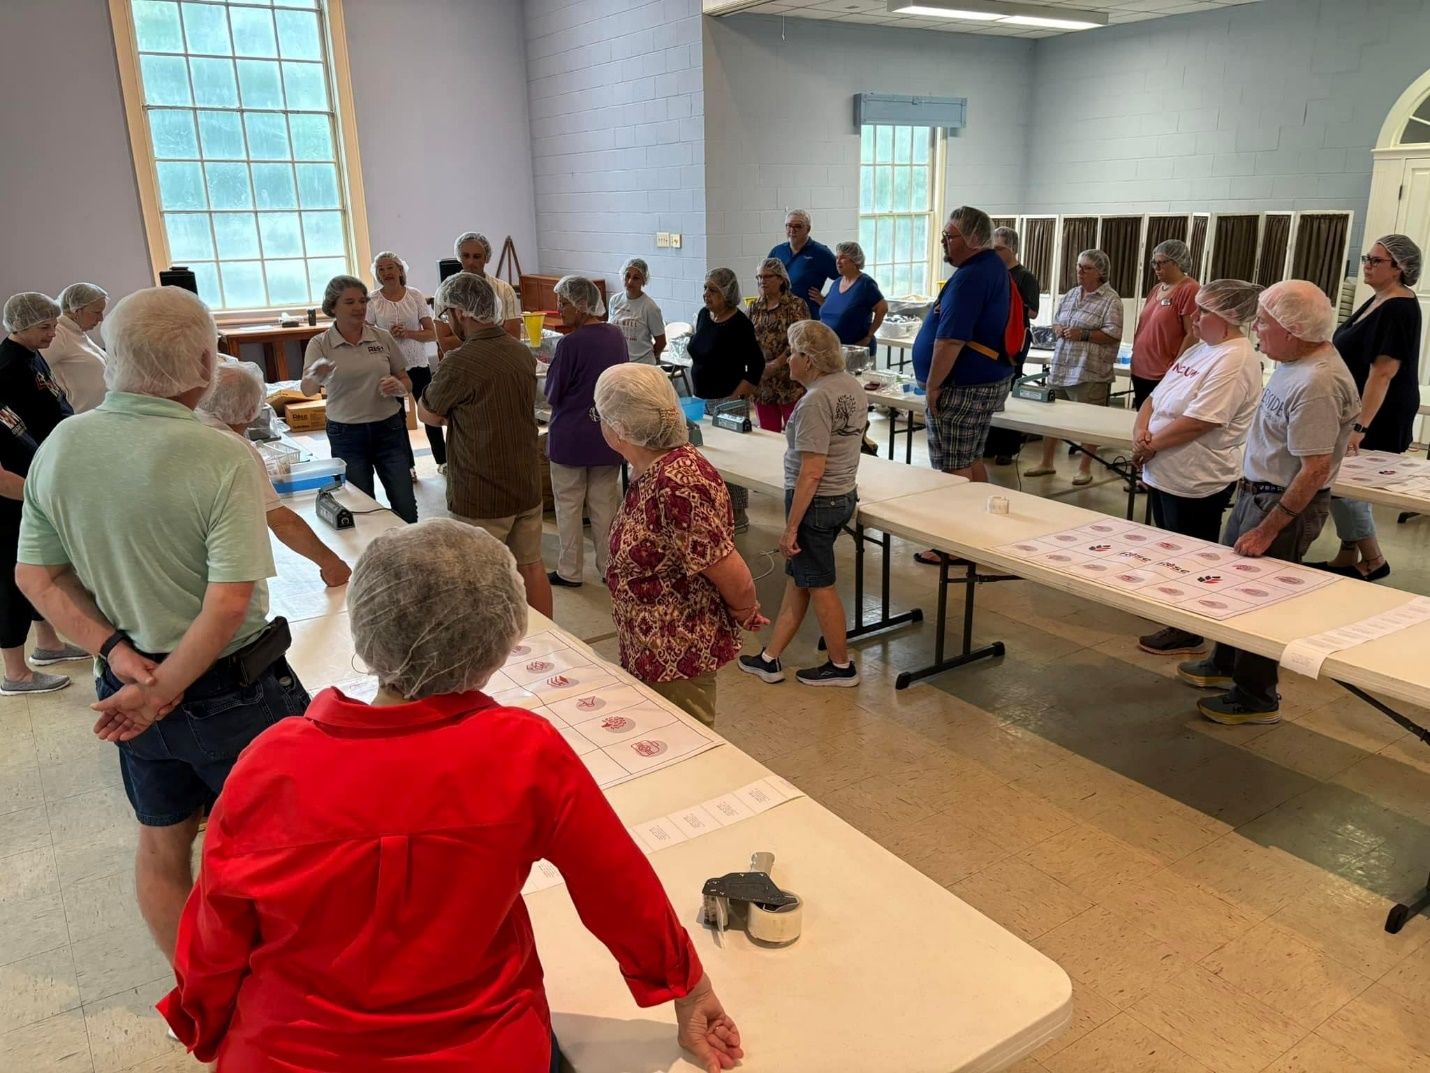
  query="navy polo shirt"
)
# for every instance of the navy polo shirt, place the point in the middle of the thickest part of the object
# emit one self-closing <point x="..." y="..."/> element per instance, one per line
<point x="812" y="266"/>
<point x="973" y="306"/>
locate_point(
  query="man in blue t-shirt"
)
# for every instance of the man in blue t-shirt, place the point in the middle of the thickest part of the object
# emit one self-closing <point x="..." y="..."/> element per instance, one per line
<point x="810" y="264"/>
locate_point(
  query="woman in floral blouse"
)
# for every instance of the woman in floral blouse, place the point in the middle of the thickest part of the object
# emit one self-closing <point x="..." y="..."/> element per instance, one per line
<point x="772" y="314"/>
<point x="680" y="593"/>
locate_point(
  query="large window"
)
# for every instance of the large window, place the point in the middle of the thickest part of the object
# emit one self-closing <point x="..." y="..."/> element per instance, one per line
<point x="898" y="205"/>
<point x="246" y="180"/>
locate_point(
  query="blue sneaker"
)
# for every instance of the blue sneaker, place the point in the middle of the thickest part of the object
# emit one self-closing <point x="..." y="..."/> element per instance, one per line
<point x="829" y="675"/>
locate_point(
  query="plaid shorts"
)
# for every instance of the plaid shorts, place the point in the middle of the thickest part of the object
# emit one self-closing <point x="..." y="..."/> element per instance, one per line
<point x="959" y="431"/>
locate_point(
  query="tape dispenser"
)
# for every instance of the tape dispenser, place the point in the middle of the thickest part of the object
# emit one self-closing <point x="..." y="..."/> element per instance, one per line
<point x="751" y="900"/>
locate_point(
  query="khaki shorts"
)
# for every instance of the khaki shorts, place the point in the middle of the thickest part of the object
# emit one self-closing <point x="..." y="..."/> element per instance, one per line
<point x="521" y="533"/>
<point x="1092" y="394"/>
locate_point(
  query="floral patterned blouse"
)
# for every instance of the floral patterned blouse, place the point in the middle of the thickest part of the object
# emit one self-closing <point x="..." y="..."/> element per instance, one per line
<point x="772" y="331"/>
<point x="675" y="522"/>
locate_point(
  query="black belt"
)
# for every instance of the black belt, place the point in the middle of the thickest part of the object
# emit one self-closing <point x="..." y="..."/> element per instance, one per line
<point x="250" y="661"/>
<point x="1258" y="487"/>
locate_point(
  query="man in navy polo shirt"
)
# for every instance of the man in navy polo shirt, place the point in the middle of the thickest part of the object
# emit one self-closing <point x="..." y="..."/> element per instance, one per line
<point x="810" y="264"/>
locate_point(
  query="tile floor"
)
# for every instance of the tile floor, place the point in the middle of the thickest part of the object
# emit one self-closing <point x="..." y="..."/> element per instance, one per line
<point x="1217" y="895"/>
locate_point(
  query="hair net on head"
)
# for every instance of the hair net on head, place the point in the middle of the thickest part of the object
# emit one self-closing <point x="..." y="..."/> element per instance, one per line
<point x="1405" y="254"/>
<point x="1007" y="236"/>
<point x="776" y="266"/>
<point x="335" y="288"/>
<point x="1301" y="308"/>
<point x="28" y="308"/>
<point x="1099" y="261"/>
<point x="78" y="295"/>
<point x="727" y="283"/>
<point x="639" y="265"/>
<point x="468" y="293"/>
<point x="237" y="393"/>
<point x="853" y="251"/>
<point x="388" y="255"/>
<point x="818" y="343"/>
<point x="472" y="236"/>
<point x="640" y="406"/>
<point x="161" y="341"/>
<point x="1176" y="250"/>
<point x="581" y="293"/>
<point x="799" y="214"/>
<point x="976" y="225"/>
<point x="1233" y="300"/>
<point x="435" y="607"/>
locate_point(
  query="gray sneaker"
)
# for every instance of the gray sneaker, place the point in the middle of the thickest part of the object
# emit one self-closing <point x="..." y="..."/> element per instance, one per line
<point x="37" y="683"/>
<point x="43" y="657"/>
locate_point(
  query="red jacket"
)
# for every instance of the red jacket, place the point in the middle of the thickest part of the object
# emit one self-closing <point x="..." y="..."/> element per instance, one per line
<point x="359" y="901"/>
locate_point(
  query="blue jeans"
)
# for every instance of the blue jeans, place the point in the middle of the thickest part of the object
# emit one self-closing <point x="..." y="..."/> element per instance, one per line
<point x="180" y="763"/>
<point x="813" y="567"/>
<point x="1353" y="519"/>
<point x="382" y="446"/>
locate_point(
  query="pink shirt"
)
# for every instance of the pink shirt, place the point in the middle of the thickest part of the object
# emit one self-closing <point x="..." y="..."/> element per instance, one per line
<point x="1159" y="329"/>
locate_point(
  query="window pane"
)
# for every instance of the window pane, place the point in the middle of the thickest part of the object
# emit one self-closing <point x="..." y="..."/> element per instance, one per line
<point x="922" y="137"/>
<point x="866" y="235"/>
<point x="273" y="186"/>
<point x="883" y="144"/>
<point x="172" y="133"/>
<point x="307" y="88"/>
<point x="901" y="190"/>
<point x="324" y="269"/>
<point x="919" y="195"/>
<point x="189" y="236"/>
<point x="323" y="232"/>
<point x="228" y="186"/>
<point x="1415" y="132"/>
<point x="866" y="189"/>
<point x="253" y="32"/>
<point x="213" y="83"/>
<point x="318" y="186"/>
<point x="295" y="3"/>
<point x="181" y="186"/>
<point x="904" y="239"/>
<point x="237" y="234"/>
<point x="259" y="81"/>
<point x="920" y="240"/>
<point x="222" y="135"/>
<point x="166" y="79"/>
<point x="206" y="29"/>
<point x="287" y="282"/>
<point x="903" y="144"/>
<point x="884" y="240"/>
<point x="312" y="137"/>
<point x="281" y="236"/>
<point x="243" y="285"/>
<point x="267" y="136"/>
<point x="883" y="276"/>
<point x="866" y="145"/>
<point x="156" y="27"/>
<point x="903" y="284"/>
<point x="207" y="274"/>
<point x="298" y="35"/>
<point x="883" y="189"/>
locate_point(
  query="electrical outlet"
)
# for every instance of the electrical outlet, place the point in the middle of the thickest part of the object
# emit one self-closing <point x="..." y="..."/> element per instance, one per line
<point x="675" y="240"/>
<point x="662" y="240"/>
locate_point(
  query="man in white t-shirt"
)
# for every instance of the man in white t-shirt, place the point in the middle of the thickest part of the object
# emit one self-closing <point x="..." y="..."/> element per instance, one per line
<point x="636" y="314"/>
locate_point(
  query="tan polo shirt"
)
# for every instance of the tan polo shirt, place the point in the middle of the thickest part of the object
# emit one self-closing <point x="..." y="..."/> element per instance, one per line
<point x="353" y="397"/>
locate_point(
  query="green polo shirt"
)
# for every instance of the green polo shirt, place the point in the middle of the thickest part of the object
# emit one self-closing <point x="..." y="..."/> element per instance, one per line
<point x="149" y="506"/>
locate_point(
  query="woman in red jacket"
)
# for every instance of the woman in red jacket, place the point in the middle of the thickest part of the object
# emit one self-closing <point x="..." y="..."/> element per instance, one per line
<point x="359" y="903"/>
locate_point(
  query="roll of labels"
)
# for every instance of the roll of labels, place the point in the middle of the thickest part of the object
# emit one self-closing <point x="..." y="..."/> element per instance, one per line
<point x="751" y="900"/>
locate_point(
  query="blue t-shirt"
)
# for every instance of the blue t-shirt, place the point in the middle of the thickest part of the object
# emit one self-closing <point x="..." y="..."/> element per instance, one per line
<point x="850" y="314"/>
<point x="973" y="306"/>
<point x="812" y="266"/>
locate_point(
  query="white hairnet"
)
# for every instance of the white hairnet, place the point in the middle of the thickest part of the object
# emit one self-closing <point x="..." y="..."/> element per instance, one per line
<point x="1233" y="300"/>
<point x="817" y="342"/>
<point x="581" y="293"/>
<point x="975" y="224"/>
<point x="1405" y="254"/>
<point x="727" y="283"/>
<point x="335" y="288"/>
<point x="472" y="236"/>
<point x="78" y="295"/>
<point x="237" y="393"/>
<point x="775" y="265"/>
<point x="639" y="265"/>
<point x="161" y="341"/>
<point x="640" y="406"/>
<point x="1099" y="261"/>
<point x="1176" y="250"/>
<point x="853" y="251"/>
<point x="1301" y="308"/>
<point x="469" y="293"/>
<point x="388" y="255"/>
<point x="1008" y="237"/>
<point x="435" y="607"/>
<point x="28" y="308"/>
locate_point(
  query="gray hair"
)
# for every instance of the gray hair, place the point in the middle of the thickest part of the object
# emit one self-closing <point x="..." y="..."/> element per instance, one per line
<point x="388" y="255"/>
<point x="800" y="214"/>
<point x="775" y="265"/>
<point x="28" y="308"/>
<point x="237" y="393"/>
<point x="638" y="403"/>
<point x="1099" y="261"/>
<point x="639" y="265"/>
<point x="467" y="293"/>
<point x="78" y="295"/>
<point x="1233" y="300"/>
<point x="161" y="342"/>
<point x="1404" y="255"/>
<point x="818" y="343"/>
<point x="472" y="236"/>
<point x="976" y="225"/>
<point x="727" y="283"/>
<point x="1175" y="249"/>
<point x="581" y="293"/>
<point x="335" y="288"/>
<point x="1007" y="236"/>
<point x="853" y="251"/>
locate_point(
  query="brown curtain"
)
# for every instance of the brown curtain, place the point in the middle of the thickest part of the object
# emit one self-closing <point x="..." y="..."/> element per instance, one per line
<point x="1198" y="242"/>
<point x="1120" y="240"/>
<point x="1275" y="237"/>
<point x="1234" y="250"/>
<point x="1320" y="252"/>
<point x="1159" y="230"/>
<point x="1037" y="250"/>
<point x="1079" y="233"/>
<point x="1006" y="221"/>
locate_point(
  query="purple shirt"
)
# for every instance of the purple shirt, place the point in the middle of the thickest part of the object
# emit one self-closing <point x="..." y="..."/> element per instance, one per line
<point x="573" y="439"/>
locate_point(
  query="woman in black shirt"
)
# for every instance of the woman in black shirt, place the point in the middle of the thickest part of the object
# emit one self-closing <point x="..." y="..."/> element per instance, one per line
<point x="1380" y="345"/>
<point x="31" y="405"/>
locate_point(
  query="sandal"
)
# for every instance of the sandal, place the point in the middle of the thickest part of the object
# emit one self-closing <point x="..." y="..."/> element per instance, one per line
<point x="930" y="557"/>
<point x="1039" y="471"/>
<point x="1082" y="479"/>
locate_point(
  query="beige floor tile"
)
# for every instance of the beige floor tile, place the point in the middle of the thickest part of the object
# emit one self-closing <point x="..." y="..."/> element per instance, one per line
<point x="24" y="829"/>
<point x="1386" y="1032"/>
<point x="943" y="848"/>
<point x="1410" y="751"/>
<point x="1028" y="1065"/>
<point x="37" y="987"/>
<point x="1411" y="977"/>
<point x="873" y="807"/>
<point x="1313" y="1055"/>
<point x="1089" y="1011"/>
<point x="28" y="875"/>
<point x="177" y="1060"/>
<point x="116" y="961"/>
<point x="1090" y="861"/>
<point x="1307" y="750"/>
<point x="1111" y="956"/>
<point x="941" y="786"/>
<point x="1082" y="788"/>
<point x="32" y="926"/>
<point x="1348" y="925"/>
<point x="1289" y="975"/>
<point x="101" y="905"/>
<point x="1351" y="722"/>
<point x="20" y="788"/>
<point x="57" y="1044"/>
<point x="1215" y="1023"/>
<point x="125" y="1029"/>
<point x="1387" y="782"/>
<point x="1191" y="920"/>
<point x="1012" y="753"/>
<point x="1122" y="1045"/>
<point x="1164" y="833"/>
<point x="81" y="815"/>
<point x="101" y="852"/>
<point x="1260" y="878"/>
<point x="98" y="770"/>
<point x="1024" y="900"/>
<point x="1006" y="817"/>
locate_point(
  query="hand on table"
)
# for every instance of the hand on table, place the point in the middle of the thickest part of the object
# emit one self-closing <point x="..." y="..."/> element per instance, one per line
<point x="390" y="385"/>
<point x="1254" y="542"/>
<point x="705" y="1030"/>
<point x="335" y="573"/>
<point x="1353" y="446"/>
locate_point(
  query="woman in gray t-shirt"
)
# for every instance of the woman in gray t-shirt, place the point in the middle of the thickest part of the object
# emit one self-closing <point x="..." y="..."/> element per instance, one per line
<point x="825" y="435"/>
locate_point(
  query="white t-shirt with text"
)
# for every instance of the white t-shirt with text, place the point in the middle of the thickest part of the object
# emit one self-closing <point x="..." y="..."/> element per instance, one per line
<point x="640" y="322"/>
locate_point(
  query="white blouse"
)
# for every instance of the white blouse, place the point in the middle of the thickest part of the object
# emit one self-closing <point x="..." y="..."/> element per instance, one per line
<point x="77" y="363"/>
<point x="407" y="311"/>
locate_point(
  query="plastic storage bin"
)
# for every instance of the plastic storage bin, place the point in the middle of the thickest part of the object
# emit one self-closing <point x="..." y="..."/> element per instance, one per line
<point x="305" y="476"/>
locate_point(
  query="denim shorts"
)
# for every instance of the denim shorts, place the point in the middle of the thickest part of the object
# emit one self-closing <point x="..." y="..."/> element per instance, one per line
<point x="813" y="567"/>
<point x="180" y="763"/>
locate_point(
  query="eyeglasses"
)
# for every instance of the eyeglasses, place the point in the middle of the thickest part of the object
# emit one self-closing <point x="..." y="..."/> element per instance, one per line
<point x="593" y="415"/>
<point x="1367" y="259"/>
<point x="946" y="237"/>
<point x="765" y="279"/>
<point x="1161" y="262"/>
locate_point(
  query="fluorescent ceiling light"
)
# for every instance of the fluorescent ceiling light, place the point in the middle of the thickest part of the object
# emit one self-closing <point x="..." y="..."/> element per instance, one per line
<point x="1007" y="14"/>
<point x="1051" y="23"/>
<point x="946" y="13"/>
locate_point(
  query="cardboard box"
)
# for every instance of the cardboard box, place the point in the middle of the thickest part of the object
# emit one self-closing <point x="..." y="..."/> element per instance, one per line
<point x="281" y="400"/>
<point x="307" y="416"/>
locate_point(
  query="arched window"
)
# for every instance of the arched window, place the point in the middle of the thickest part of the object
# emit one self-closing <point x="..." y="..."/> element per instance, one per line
<point x="1417" y="127"/>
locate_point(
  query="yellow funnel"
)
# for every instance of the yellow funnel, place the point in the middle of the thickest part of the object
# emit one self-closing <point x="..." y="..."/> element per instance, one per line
<point x="534" y="323"/>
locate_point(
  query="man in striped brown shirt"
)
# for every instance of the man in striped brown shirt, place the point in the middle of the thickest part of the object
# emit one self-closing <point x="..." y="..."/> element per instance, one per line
<point x="484" y="392"/>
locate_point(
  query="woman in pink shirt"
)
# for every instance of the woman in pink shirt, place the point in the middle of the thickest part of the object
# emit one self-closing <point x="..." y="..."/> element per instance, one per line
<point x="1164" y="329"/>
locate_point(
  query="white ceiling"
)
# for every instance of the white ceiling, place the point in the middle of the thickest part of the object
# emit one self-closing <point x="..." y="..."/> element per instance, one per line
<point x="876" y="13"/>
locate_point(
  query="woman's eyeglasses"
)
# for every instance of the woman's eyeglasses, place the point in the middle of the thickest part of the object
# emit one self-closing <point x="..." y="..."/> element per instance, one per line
<point x="1367" y="259"/>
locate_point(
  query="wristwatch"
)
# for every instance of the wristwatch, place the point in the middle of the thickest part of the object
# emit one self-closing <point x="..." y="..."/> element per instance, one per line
<point x="118" y="637"/>
<point x="1358" y="427"/>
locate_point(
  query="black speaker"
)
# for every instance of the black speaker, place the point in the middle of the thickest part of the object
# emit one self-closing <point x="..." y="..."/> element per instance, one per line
<point x="447" y="266"/>
<point x="179" y="276"/>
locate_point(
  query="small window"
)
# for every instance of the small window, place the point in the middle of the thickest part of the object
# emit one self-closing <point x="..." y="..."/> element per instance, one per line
<point x="897" y="206"/>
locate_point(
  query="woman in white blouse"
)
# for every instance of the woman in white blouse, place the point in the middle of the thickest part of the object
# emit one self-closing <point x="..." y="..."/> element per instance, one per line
<point x="404" y="313"/>
<point x="76" y="361"/>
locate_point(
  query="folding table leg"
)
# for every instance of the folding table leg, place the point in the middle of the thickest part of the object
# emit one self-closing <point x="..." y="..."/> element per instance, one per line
<point x="969" y="654"/>
<point x="885" y="621"/>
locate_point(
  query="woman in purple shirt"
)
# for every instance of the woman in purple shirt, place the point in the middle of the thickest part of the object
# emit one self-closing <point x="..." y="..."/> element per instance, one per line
<point x="585" y="472"/>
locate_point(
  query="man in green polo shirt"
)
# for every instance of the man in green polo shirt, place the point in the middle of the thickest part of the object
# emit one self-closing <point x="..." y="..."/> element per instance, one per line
<point x="143" y="540"/>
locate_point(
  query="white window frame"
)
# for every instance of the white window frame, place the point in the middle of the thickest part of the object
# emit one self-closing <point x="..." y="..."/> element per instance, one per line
<point x="145" y="172"/>
<point x="936" y="214"/>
